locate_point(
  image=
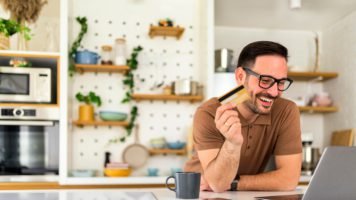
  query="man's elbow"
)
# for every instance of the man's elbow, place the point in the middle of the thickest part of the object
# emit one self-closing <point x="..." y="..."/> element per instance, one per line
<point x="219" y="186"/>
<point x="289" y="185"/>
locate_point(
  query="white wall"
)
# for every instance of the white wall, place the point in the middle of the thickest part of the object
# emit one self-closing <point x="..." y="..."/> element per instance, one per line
<point x="162" y="59"/>
<point x="301" y="46"/>
<point x="339" y="50"/>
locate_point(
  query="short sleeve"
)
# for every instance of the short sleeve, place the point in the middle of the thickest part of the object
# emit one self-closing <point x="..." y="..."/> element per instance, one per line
<point x="289" y="134"/>
<point x="205" y="133"/>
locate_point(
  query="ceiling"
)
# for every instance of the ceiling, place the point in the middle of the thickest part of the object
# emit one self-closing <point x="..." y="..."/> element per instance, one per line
<point x="314" y="15"/>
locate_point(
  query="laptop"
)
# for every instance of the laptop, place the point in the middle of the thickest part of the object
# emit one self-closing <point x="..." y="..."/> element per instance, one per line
<point x="334" y="177"/>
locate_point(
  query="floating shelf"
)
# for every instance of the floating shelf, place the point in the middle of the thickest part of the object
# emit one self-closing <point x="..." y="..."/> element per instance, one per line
<point x="101" y="123"/>
<point x="305" y="76"/>
<point x="101" y="68"/>
<point x="318" y="109"/>
<point x="168" y="151"/>
<point x="166" y="31"/>
<point x="165" y="97"/>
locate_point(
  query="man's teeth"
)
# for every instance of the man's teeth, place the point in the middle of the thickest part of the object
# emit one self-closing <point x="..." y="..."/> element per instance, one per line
<point x="266" y="100"/>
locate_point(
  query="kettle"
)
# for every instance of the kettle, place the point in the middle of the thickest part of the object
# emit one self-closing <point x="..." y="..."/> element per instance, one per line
<point x="310" y="158"/>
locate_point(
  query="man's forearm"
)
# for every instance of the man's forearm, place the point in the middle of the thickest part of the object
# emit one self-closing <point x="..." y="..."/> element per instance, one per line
<point x="274" y="180"/>
<point x="222" y="170"/>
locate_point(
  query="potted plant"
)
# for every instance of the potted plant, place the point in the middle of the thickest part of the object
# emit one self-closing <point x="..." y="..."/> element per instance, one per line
<point x="10" y="27"/>
<point x="86" y="111"/>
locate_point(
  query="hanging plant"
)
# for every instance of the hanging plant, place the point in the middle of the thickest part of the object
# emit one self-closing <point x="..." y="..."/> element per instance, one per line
<point x="129" y="78"/>
<point x="130" y="83"/>
<point x="76" y="44"/>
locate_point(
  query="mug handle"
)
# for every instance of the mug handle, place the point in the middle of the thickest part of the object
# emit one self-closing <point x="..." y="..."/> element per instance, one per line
<point x="169" y="177"/>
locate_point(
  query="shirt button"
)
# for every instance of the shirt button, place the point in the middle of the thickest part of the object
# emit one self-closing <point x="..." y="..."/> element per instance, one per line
<point x="248" y="147"/>
<point x="250" y="126"/>
<point x="250" y="137"/>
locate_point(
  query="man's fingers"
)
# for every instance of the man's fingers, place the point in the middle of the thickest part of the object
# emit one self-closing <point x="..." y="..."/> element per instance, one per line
<point x="224" y="107"/>
<point x="227" y="114"/>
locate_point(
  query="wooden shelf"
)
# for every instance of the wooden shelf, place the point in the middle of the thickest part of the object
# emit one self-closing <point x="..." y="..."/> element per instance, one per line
<point x="101" y="123"/>
<point x="165" y="97"/>
<point x="166" y="31"/>
<point x="319" y="109"/>
<point x="101" y="68"/>
<point x="168" y="151"/>
<point x="304" y="76"/>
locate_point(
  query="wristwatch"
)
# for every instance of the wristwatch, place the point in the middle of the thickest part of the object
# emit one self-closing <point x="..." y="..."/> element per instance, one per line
<point x="235" y="183"/>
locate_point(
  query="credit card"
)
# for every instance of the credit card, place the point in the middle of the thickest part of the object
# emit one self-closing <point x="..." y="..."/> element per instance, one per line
<point x="237" y="95"/>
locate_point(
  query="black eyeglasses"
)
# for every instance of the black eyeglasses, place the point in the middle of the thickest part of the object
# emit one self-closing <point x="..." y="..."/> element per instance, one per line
<point x="266" y="81"/>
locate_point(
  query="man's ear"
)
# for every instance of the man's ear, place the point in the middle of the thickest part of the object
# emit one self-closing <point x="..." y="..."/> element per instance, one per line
<point x="240" y="76"/>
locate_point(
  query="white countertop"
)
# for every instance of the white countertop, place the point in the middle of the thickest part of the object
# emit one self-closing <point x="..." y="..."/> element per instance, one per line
<point x="129" y="194"/>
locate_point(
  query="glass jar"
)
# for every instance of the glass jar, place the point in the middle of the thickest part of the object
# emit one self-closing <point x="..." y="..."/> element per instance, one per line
<point x="120" y="52"/>
<point x="106" y="52"/>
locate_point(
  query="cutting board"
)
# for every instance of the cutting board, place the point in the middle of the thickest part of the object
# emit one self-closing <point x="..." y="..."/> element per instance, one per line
<point x="343" y="138"/>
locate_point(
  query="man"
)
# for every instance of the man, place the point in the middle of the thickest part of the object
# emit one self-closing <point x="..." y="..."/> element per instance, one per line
<point x="235" y="142"/>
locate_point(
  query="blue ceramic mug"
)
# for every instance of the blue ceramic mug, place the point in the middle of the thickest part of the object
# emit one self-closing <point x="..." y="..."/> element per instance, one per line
<point x="187" y="185"/>
<point x="86" y="57"/>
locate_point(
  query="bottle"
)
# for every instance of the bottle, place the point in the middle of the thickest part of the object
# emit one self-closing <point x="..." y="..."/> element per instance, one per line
<point x="120" y="52"/>
<point x="106" y="52"/>
<point x="107" y="158"/>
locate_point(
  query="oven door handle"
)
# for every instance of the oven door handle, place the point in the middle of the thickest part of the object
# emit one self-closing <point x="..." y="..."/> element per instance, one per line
<point x="26" y="122"/>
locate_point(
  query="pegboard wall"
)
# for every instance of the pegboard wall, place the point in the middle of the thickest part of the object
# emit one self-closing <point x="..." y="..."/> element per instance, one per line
<point x="162" y="60"/>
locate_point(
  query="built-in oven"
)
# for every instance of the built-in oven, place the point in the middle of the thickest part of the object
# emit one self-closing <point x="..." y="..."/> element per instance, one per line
<point x="28" y="146"/>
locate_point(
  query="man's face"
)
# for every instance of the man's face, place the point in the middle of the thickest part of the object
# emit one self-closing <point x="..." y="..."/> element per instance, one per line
<point x="263" y="99"/>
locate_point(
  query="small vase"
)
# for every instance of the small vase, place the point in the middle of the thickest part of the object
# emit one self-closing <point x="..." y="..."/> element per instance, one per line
<point x="22" y="43"/>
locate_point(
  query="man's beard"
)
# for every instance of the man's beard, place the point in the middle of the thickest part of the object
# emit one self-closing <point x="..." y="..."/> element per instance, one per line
<point x="252" y="104"/>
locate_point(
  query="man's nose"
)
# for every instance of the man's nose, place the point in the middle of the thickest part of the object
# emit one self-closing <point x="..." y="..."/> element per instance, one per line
<point x="273" y="91"/>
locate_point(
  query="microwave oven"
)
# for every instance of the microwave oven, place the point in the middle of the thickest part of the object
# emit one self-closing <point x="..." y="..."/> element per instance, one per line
<point x="25" y="85"/>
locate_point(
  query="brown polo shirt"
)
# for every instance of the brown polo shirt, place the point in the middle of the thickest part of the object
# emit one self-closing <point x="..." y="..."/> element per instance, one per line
<point x="276" y="133"/>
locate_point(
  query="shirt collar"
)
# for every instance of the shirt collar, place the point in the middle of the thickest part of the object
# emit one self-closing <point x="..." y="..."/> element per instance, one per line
<point x="260" y="120"/>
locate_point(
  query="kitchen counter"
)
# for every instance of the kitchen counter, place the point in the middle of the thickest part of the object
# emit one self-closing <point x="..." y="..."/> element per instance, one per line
<point x="128" y="194"/>
<point x="52" y="182"/>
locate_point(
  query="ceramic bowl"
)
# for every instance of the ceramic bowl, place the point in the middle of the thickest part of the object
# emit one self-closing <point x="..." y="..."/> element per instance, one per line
<point x="175" y="169"/>
<point x="152" y="171"/>
<point x="112" y="116"/>
<point x="117" y="172"/>
<point x="176" y="145"/>
<point x="83" y="173"/>
<point x="158" y="143"/>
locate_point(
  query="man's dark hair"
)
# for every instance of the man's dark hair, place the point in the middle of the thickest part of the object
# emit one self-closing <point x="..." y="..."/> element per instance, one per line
<point x="250" y="52"/>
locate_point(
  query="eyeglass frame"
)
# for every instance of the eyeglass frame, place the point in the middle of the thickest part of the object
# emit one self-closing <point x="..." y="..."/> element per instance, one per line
<point x="260" y="76"/>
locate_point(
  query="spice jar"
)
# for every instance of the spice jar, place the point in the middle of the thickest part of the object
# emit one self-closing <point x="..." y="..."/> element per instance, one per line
<point x="120" y="51"/>
<point x="106" y="51"/>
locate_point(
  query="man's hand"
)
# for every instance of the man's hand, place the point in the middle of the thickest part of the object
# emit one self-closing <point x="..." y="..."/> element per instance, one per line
<point x="228" y="123"/>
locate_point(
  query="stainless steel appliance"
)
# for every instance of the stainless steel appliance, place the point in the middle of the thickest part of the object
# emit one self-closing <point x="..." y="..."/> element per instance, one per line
<point x="28" y="146"/>
<point x="185" y="87"/>
<point x="30" y="85"/>
<point x="310" y="158"/>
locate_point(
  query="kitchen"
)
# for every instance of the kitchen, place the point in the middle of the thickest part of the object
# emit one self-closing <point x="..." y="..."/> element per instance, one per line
<point x="207" y="27"/>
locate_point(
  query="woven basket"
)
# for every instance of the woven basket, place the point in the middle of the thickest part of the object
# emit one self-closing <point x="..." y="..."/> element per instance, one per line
<point x="4" y="42"/>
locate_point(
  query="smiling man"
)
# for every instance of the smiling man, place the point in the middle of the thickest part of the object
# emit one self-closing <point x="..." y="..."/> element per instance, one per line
<point x="233" y="143"/>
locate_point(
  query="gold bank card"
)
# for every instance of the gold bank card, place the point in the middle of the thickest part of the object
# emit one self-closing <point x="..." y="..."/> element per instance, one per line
<point x="237" y="95"/>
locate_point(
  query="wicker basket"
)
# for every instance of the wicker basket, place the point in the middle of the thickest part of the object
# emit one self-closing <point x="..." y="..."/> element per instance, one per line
<point x="4" y="42"/>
